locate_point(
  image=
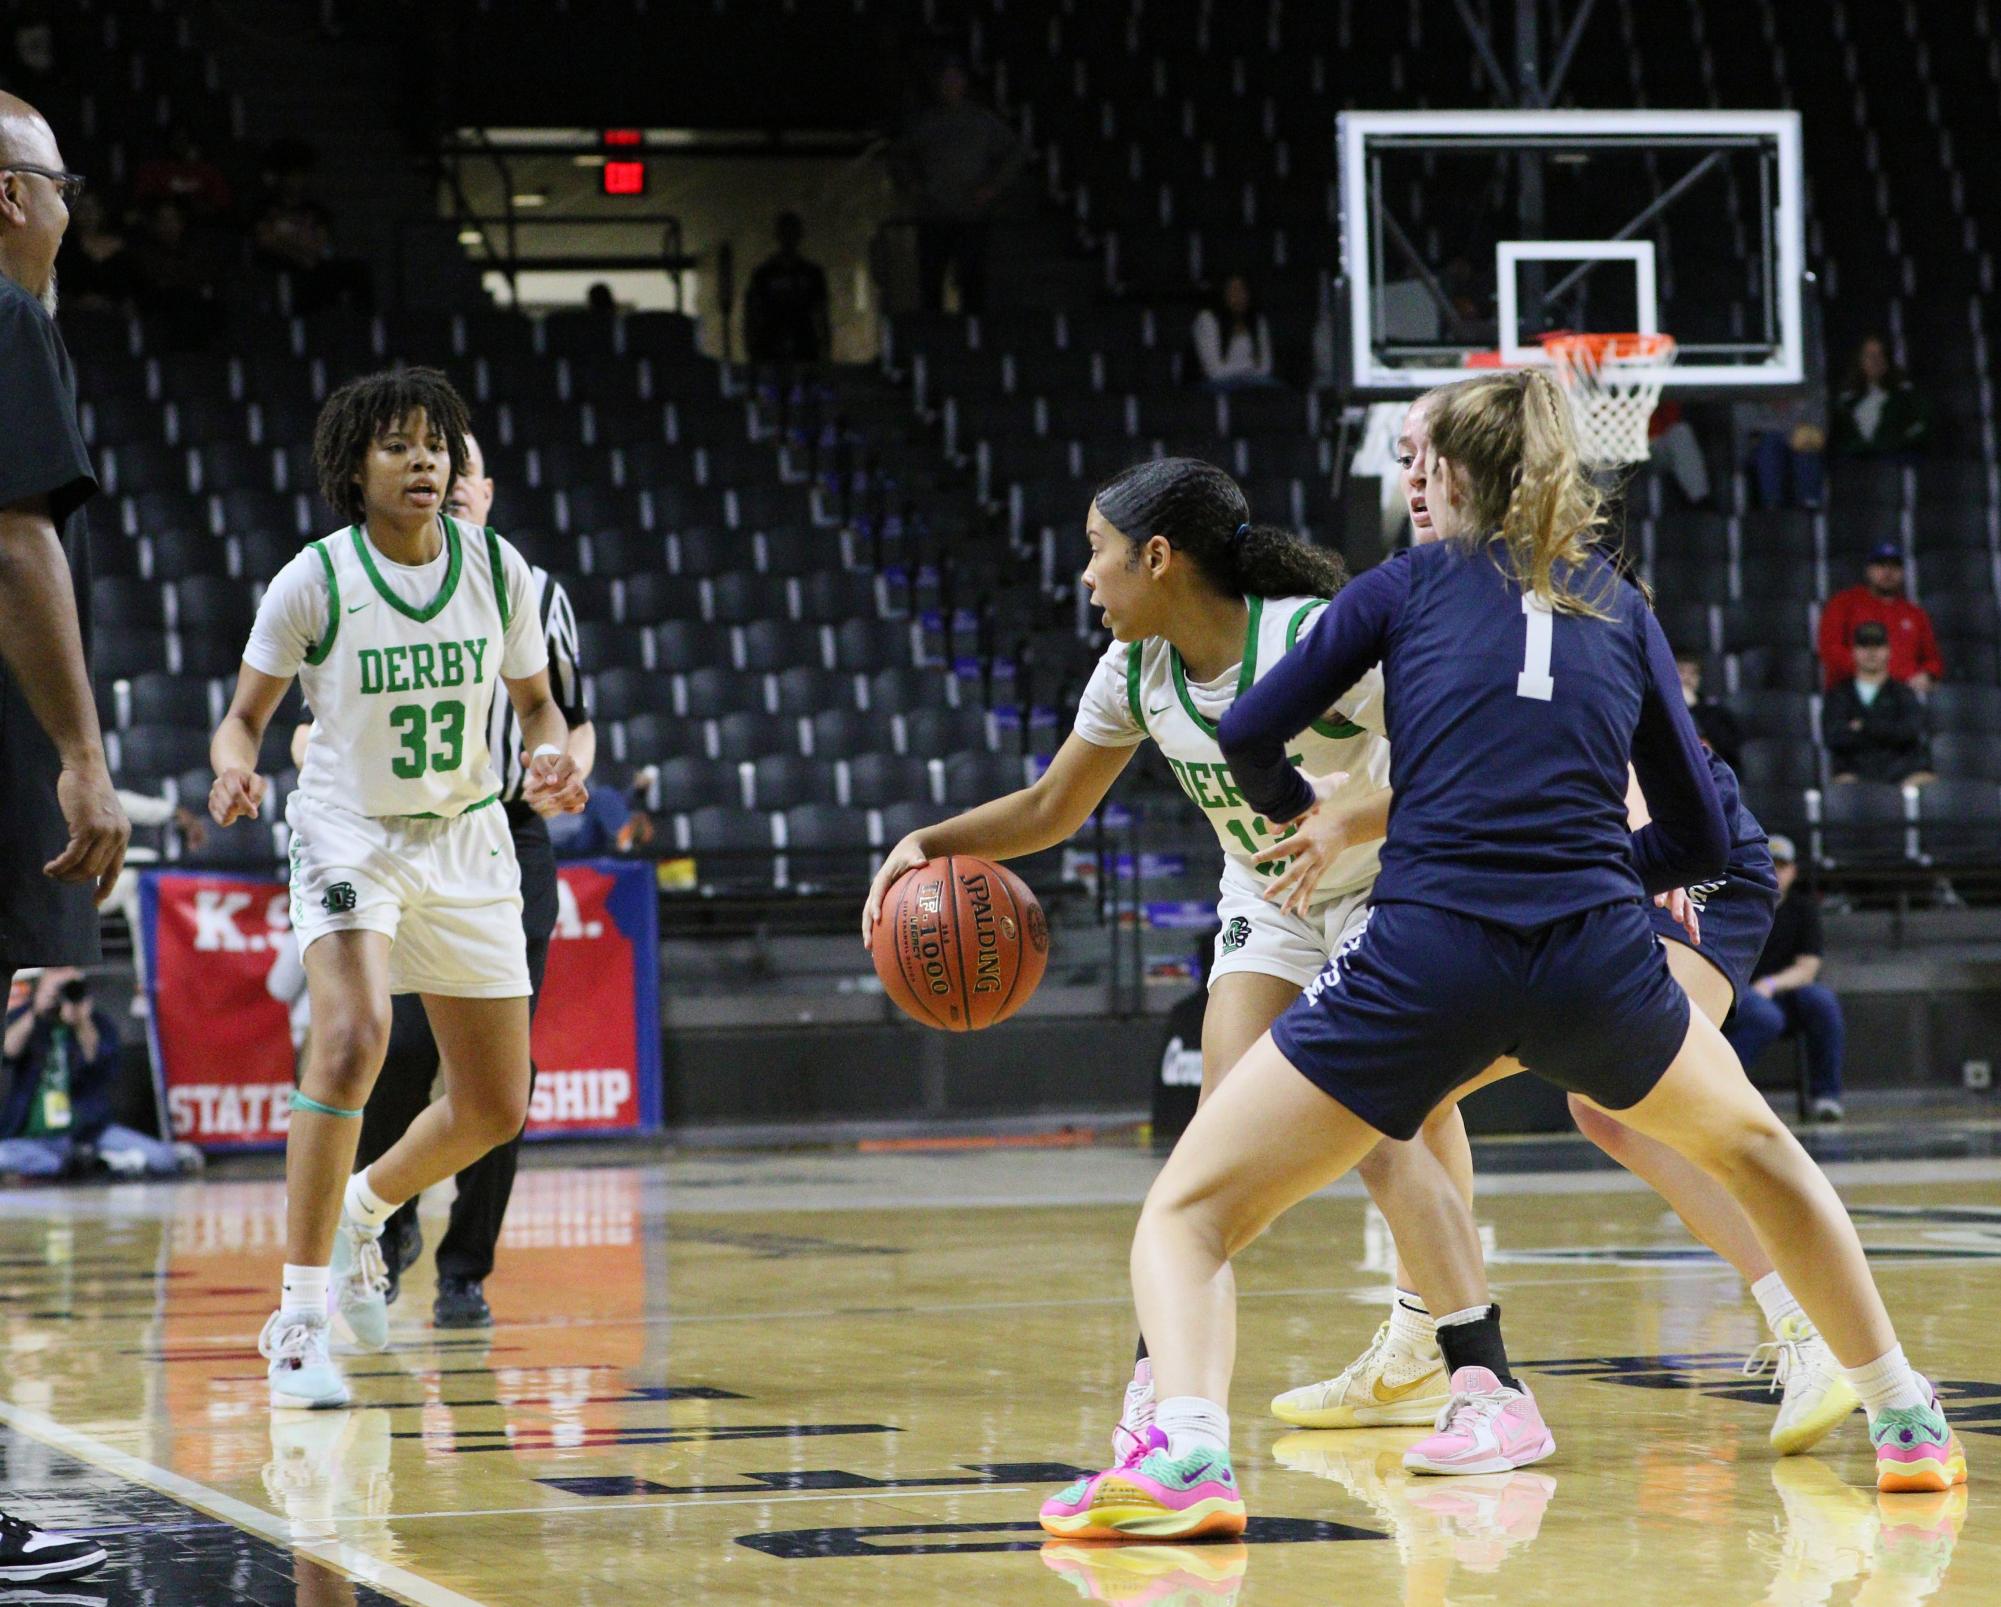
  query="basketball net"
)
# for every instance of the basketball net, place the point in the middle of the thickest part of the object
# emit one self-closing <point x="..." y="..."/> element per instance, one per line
<point x="1614" y="383"/>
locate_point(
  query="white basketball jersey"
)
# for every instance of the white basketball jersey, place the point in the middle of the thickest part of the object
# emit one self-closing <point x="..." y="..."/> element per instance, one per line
<point x="1159" y="704"/>
<point x="401" y="692"/>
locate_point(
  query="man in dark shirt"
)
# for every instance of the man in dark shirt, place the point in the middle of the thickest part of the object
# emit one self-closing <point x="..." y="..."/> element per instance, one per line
<point x="1873" y="724"/>
<point x="1715" y="724"/>
<point x="785" y="308"/>
<point x="1786" y="995"/>
<point x="65" y="832"/>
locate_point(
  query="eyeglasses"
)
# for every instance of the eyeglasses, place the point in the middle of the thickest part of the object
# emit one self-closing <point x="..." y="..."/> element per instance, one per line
<point x="68" y="185"/>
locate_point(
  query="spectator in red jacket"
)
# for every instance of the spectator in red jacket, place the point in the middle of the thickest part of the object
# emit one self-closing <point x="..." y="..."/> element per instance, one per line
<point x="1914" y="656"/>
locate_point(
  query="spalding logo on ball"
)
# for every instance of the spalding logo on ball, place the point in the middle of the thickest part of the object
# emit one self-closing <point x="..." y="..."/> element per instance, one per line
<point x="962" y="943"/>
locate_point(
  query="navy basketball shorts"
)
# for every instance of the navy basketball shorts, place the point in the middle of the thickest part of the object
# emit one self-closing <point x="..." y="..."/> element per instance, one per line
<point x="1736" y="918"/>
<point x="1420" y="1000"/>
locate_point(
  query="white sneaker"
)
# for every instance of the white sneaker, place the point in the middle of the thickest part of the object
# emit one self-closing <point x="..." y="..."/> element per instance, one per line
<point x="1129" y="1438"/>
<point x="302" y="1370"/>
<point x="1360" y="1396"/>
<point x="1817" y="1393"/>
<point x="361" y="1283"/>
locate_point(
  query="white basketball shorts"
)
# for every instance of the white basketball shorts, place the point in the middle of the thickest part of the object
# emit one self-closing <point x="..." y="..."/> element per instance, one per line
<point x="446" y="893"/>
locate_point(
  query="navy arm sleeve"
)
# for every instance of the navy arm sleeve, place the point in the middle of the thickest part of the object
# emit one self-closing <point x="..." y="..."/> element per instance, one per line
<point x="1688" y="840"/>
<point x="1345" y="641"/>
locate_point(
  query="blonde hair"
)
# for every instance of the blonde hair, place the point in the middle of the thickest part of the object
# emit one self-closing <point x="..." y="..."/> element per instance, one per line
<point x="1511" y="436"/>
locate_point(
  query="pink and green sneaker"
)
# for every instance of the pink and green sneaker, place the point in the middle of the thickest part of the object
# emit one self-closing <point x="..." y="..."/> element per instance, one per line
<point x="1916" y="1449"/>
<point x="1151" y="1496"/>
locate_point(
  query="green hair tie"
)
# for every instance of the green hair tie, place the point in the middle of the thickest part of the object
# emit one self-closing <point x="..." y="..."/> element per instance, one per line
<point x="302" y="1102"/>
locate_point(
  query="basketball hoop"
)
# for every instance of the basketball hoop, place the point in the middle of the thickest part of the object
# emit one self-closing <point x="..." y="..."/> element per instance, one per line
<point x="1614" y="382"/>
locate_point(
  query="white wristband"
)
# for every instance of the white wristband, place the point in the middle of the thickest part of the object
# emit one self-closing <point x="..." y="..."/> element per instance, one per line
<point x="549" y="748"/>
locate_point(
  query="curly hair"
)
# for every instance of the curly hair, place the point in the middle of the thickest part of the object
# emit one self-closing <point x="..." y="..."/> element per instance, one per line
<point x="1203" y="512"/>
<point x="363" y="409"/>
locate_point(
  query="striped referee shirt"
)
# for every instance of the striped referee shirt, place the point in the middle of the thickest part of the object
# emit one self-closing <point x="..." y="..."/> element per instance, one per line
<point x="503" y="732"/>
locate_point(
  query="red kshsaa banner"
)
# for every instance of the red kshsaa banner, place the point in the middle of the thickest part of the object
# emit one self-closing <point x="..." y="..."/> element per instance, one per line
<point x="222" y="1033"/>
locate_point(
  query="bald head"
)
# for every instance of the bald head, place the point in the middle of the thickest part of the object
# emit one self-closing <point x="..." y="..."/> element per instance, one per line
<point x="32" y="214"/>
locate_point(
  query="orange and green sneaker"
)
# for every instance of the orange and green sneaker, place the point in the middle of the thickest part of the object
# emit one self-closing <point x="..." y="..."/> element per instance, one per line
<point x="1916" y="1449"/>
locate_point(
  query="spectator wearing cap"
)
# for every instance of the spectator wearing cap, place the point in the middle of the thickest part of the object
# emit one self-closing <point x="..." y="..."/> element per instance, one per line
<point x="1914" y="658"/>
<point x="1873" y="724"/>
<point x="1786" y="996"/>
<point x="1715" y="724"/>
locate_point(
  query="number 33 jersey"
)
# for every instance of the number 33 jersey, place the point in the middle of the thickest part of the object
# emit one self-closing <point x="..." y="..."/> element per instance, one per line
<point x="401" y="664"/>
<point x="1142" y="689"/>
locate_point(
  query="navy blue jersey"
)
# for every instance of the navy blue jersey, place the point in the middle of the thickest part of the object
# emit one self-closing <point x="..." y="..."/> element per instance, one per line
<point x="1510" y="730"/>
<point x="1750" y="854"/>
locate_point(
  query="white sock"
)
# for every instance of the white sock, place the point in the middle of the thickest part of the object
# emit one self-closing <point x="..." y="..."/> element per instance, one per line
<point x="364" y="1204"/>
<point x="1138" y="1414"/>
<point x="1775" y="1300"/>
<point x="1888" y="1382"/>
<point x="1192" y="1424"/>
<point x="304" y="1291"/>
<point x="1470" y="1314"/>
<point x="1411" y="1327"/>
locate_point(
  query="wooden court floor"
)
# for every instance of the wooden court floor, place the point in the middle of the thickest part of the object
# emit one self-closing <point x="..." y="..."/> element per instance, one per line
<point x="851" y="1378"/>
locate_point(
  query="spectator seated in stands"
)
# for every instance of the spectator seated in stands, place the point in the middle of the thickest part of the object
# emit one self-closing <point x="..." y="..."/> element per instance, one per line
<point x="184" y="176"/>
<point x="607" y="824"/>
<point x="1873" y="724"/>
<point x="1786" y="441"/>
<point x="293" y="234"/>
<point x="956" y="159"/>
<point x="1786" y="996"/>
<point x="1232" y="339"/>
<point x="1914" y="656"/>
<point x="61" y="1055"/>
<point x="1715" y="724"/>
<point x="1878" y="412"/>
<point x="174" y="277"/>
<point x="95" y="266"/>
<point x="1673" y="446"/>
<point x="785" y="305"/>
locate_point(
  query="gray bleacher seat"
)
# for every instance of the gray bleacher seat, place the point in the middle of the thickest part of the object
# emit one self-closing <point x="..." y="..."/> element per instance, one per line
<point x="783" y="780"/>
<point x="826" y="844"/>
<point x="877" y="780"/>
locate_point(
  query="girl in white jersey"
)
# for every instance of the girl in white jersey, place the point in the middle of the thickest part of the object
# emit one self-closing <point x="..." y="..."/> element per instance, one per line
<point x="1200" y="602"/>
<point x="402" y="627"/>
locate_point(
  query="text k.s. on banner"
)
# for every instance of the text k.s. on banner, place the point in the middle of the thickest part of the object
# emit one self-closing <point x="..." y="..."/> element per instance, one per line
<point x="222" y="1043"/>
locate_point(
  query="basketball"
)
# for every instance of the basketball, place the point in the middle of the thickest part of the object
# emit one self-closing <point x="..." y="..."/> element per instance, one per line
<point x="961" y="944"/>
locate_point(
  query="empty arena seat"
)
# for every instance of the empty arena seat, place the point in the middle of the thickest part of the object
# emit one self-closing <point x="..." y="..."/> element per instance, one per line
<point x="877" y="780"/>
<point x="148" y="753"/>
<point x="741" y="596"/>
<point x="939" y="733"/>
<point x="127" y="651"/>
<point x="627" y="553"/>
<point x="122" y="602"/>
<point x="138" y="466"/>
<point x="869" y="645"/>
<point x="832" y="596"/>
<point x="690" y="782"/>
<point x="213" y="603"/>
<point x="826" y="844"/>
<point x="717" y="690"/>
<point x="1864" y="823"/>
<point x="780" y="644"/>
<point x="805" y="689"/>
<point x="745" y="736"/>
<point x="1773" y="713"/>
<point x="622" y="692"/>
<point x="973" y="778"/>
<point x="732" y="847"/>
<point x="653" y="738"/>
<point x="783" y="780"/>
<point x="1972" y="755"/>
<point x="843" y="733"/>
<point x="236" y="466"/>
<point x="157" y="698"/>
<point x="602" y="645"/>
<point x="1779" y="762"/>
<point x="200" y="652"/>
<point x="903" y="688"/>
<point x="245" y="845"/>
<point x="179" y="554"/>
<point x="1959" y="821"/>
<point x="688" y="644"/>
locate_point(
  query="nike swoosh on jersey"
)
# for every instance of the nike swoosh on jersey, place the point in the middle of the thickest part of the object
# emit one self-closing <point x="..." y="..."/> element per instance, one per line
<point x="358" y="607"/>
<point x="1162" y="709"/>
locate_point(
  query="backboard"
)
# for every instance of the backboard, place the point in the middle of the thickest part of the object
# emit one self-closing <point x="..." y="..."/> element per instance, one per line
<point x="1467" y="235"/>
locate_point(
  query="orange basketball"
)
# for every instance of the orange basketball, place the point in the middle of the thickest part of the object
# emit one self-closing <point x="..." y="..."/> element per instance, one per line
<point x="961" y="943"/>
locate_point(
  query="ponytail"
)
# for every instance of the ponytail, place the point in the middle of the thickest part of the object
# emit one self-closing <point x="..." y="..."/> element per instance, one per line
<point x="1511" y="436"/>
<point x="1203" y="515"/>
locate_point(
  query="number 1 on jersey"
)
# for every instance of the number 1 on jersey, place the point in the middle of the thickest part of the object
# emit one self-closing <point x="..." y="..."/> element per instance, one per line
<point x="1535" y="680"/>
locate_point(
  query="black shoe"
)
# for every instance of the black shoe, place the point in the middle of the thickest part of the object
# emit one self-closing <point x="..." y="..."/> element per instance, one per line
<point x="28" y="1554"/>
<point x="461" y="1303"/>
<point x="400" y="1248"/>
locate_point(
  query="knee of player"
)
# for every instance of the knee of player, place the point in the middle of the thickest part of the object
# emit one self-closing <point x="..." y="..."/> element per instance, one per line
<point x="500" y="1117"/>
<point x="347" y="1052"/>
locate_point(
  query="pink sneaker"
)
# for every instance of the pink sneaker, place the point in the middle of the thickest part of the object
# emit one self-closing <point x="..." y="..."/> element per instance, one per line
<point x="1485" y="1428"/>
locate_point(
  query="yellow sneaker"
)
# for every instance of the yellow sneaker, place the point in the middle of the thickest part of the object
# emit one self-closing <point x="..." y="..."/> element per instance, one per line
<point x="1387" y="1386"/>
<point x="1209" y="1575"/>
<point x="1817" y="1394"/>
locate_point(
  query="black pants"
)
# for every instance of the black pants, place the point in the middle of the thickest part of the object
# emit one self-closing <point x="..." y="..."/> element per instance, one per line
<point x="961" y="245"/>
<point x="411" y="1066"/>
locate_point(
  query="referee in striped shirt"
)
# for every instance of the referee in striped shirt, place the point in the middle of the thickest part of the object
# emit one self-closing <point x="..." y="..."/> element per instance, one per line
<point x="465" y="1254"/>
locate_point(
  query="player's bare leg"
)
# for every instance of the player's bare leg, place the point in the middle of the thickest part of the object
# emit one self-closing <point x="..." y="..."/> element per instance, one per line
<point x="483" y="1056"/>
<point x="1704" y="1108"/>
<point x="347" y="978"/>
